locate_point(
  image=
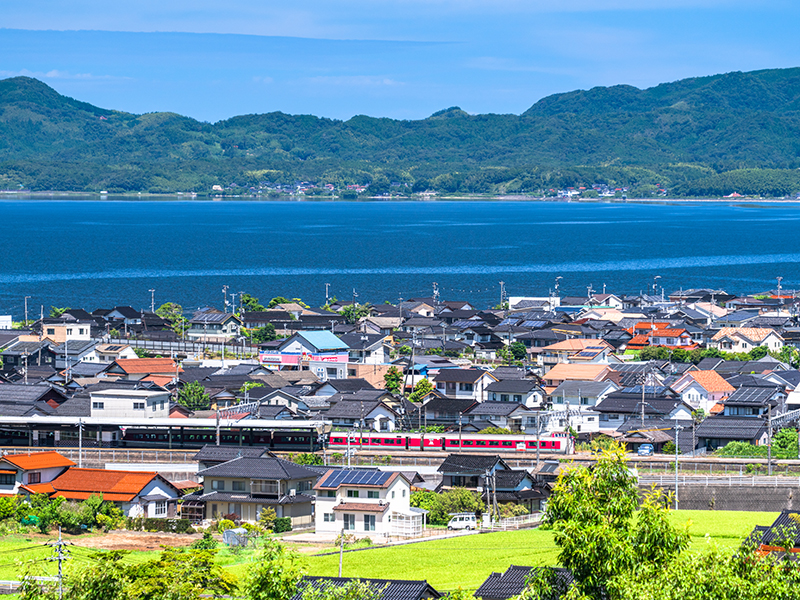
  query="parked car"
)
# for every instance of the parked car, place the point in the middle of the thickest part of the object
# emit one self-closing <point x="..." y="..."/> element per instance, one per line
<point x="645" y="449"/>
<point x="463" y="521"/>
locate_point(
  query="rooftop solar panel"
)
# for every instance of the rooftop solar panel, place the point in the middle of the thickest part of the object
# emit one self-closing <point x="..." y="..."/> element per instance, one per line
<point x="356" y="477"/>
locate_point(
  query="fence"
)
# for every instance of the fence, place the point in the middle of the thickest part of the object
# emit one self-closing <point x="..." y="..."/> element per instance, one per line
<point x="517" y="522"/>
<point x="187" y="347"/>
<point x="666" y="480"/>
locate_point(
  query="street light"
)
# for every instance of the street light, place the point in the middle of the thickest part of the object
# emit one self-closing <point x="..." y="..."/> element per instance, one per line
<point x="152" y="300"/>
<point x="655" y="284"/>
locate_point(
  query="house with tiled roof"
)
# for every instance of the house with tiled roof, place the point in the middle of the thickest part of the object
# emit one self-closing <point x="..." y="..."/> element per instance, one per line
<point x="577" y="351"/>
<point x="744" y="339"/>
<point x="161" y="371"/>
<point x="246" y="485"/>
<point x="383" y="589"/>
<point x="213" y="326"/>
<point x="463" y="384"/>
<point x="26" y="471"/>
<point x="702" y="389"/>
<point x="567" y="372"/>
<point x="363" y="502"/>
<point x="511" y="583"/>
<point x="136" y="493"/>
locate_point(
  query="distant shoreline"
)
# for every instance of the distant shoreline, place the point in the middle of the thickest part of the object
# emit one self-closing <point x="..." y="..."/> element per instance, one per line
<point x="184" y="197"/>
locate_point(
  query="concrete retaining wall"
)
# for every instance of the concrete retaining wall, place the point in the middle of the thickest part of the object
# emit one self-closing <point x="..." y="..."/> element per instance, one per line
<point x="749" y="498"/>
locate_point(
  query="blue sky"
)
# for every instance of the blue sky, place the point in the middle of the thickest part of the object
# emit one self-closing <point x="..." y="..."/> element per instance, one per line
<point x="386" y="58"/>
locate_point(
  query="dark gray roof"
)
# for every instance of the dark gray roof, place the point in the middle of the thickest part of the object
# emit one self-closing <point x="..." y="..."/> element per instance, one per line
<point x="495" y="408"/>
<point x="212" y="453"/>
<point x="470" y="463"/>
<point x="353" y="409"/>
<point x="508" y="480"/>
<point x="74" y="347"/>
<point x="501" y="586"/>
<point x="618" y="402"/>
<point x="350" y="385"/>
<point x="259" y="468"/>
<point x="513" y="386"/>
<point x="787" y="525"/>
<point x="25" y="394"/>
<point x="447" y="405"/>
<point x="459" y="375"/>
<point x="359" y="341"/>
<point x="586" y="388"/>
<point x="388" y="589"/>
<point x="731" y="428"/>
<point x="666" y="426"/>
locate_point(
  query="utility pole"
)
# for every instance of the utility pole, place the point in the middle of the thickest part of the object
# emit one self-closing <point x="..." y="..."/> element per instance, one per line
<point x="655" y="284"/>
<point x="459" y="430"/>
<point x="152" y="300"/>
<point x="779" y="285"/>
<point x="224" y="298"/>
<point x="327" y="296"/>
<point x="26" y="310"/>
<point x="217" y="424"/>
<point x="538" y="434"/>
<point x="677" y="429"/>
<point x="769" y="436"/>
<point x="502" y="292"/>
<point x="80" y="443"/>
<point x="61" y="556"/>
<point x="341" y="551"/>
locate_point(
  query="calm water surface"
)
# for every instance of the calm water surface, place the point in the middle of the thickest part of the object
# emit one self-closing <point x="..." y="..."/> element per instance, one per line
<point x="102" y="253"/>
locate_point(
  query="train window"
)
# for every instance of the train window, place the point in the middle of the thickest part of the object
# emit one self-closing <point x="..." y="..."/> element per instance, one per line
<point x="507" y="444"/>
<point x="494" y="443"/>
<point x="467" y="443"/>
<point x="481" y="442"/>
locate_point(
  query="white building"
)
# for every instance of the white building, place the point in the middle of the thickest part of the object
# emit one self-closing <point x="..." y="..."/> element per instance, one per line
<point x="366" y="503"/>
<point x="130" y="403"/>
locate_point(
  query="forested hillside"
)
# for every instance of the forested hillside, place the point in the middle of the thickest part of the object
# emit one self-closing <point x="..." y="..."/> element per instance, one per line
<point x="738" y="132"/>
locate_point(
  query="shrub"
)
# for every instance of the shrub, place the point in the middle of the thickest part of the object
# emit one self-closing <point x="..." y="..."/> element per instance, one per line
<point x="283" y="524"/>
<point x="207" y="542"/>
<point x="266" y="519"/>
<point x="225" y="524"/>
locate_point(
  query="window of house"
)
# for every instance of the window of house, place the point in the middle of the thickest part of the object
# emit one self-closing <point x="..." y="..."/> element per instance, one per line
<point x="6" y="479"/>
<point x="373" y="494"/>
<point x="213" y="511"/>
<point x="503" y="397"/>
<point x="218" y="485"/>
<point x="34" y="477"/>
<point x="404" y="494"/>
<point x="69" y="331"/>
<point x="98" y="405"/>
<point x="80" y="331"/>
<point x="392" y="493"/>
<point x="465" y="387"/>
<point x="238" y="486"/>
<point x="138" y="406"/>
<point x="161" y="508"/>
<point x="349" y="522"/>
<point x="353" y="493"/>
<point x="154" y="407"/>
<point x="584" y="400"/>
<point x="329" y="493"/>
<point x="51" y="331"/>
<point x="517" y="397"/>
<point x="329" y="517"/>
<point x="369" y="522"/>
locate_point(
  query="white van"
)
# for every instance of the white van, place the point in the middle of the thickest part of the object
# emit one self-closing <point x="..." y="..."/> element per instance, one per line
<point x="463" y="521"/>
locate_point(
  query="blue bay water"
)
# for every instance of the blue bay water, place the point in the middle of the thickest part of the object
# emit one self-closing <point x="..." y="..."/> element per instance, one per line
<point x="102" y="253"/>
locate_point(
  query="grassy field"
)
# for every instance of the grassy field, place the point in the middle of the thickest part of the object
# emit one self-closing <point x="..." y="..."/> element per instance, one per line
<point x="467" y="561"/>
<point x="446" y="564"/>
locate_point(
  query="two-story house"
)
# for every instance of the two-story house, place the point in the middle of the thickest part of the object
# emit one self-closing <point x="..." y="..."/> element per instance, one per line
<point x="24" y="470"/>
<point x="520" y="391"/>
<point x="247" y="485"/>
<point x="463" y="384"/>
<point x="366" y="502"/>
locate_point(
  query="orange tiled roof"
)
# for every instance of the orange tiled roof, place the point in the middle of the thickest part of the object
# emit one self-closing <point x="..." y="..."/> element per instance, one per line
<point x="117" y="485"/>
<point x="711" y="381"/>
<point x="38" y="460"/>
<point x="39" y="488"/>
<point x="639" y="340"/>
<point x="161" y="380"/>
<point x="668" y="332"/>
<point x="147" y="365"/>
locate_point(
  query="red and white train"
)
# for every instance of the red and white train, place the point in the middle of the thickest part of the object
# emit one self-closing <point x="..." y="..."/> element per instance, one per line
<point x="554" y="443"/>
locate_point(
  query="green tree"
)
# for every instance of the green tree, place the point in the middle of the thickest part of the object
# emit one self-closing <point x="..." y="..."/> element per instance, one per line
<point x="193" y="396"/>
<point x="601" y="537"/>
<point x="56" y="312"/>
<point x="518" y="350"/>
<point x="393" y="380"/>
<point x="455" y="500"/>
<point x="251" y="303"/>
<point x="263" y="334"/>
<point x="422" y="389"/>
<point x="274" y="574"/>
<point x="173" y="314"/>
<point x="281" y="300"/>
<point x="352" y="313"/>
<point x="352" y="590"/>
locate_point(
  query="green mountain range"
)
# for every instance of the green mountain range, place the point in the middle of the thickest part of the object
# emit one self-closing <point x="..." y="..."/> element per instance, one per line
<point x="738" y="132"/>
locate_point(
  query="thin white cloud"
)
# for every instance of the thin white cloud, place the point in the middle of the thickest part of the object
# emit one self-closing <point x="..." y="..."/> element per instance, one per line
<point x="262" y="79"/>
<point x="354" y="80"/>
<point x="57" y="74"/>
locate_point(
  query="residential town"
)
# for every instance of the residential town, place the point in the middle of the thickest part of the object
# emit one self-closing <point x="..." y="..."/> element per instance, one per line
<point x="497" y="397"/>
